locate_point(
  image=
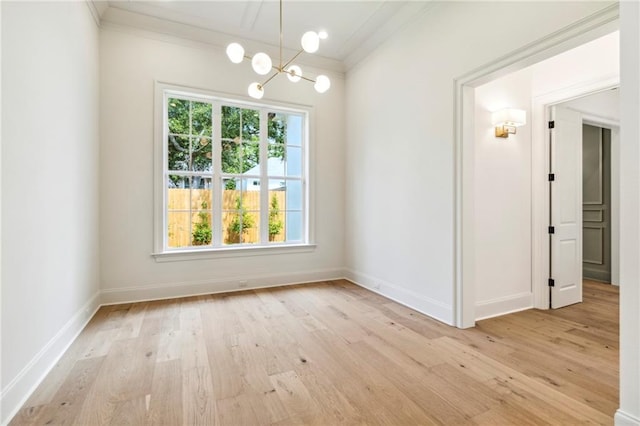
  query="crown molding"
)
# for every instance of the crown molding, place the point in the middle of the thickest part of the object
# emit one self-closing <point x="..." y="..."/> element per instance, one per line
<point x="405" y="15"/>
<point x="122" y="19"/>
<point x="97" y="9"/>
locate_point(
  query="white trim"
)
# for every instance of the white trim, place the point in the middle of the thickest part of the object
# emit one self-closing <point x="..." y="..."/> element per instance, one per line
<point x="599" y="121"/>
<point x="587" y="29"/>
<point x="622" y="418"/>
<point x="409" y="12"/>
<point x="18" y="391"/>
<point x="162" y="91"/>
<point x="432" y="308"/>
<point x="95" y="11"/>
<point x="233" y="251"/>
<point x="141" y="25"/>
<point x="113" y="296"/>
<point x="503" y="305"/>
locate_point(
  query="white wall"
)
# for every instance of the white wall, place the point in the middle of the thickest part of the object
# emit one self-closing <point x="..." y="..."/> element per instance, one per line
<point x="603" y="105"/>
<point x="629" y="412"/>
<point x="50" y="216"/>
<point x="502" y="181"/>
<point x="131" y="61"/>
<point x="399" y="237"/>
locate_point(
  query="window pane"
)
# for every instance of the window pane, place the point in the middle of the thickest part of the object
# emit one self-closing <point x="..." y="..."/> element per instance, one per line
<point x="178" y="230"/>
<point x="275" y="166"/>
<point x="231" y="156"/>
<point x="201" y="229"/>
<point x="178" y="192"/>
<point x="178" y="114"/>
<point x="201" y="154"/>
<point x="294" y="161"/>
<point x="294" y="226"/>
<point x="294" y="130"/>
<point x="230" y="122"/>
<point x="200" y="193"/>
<point x="178" y="152"/>
<point x="294" y="195"/>
<point x="277" y="185"/>
<point x="251" y="158"/>
<point x="200" y="119"/>
<point x="250" y="125"/>
<point x="251" y="227"/>
<point x="240" y="141"/>
<point x="231" y="228"/>
<point x="277" y="130"/>
<point x="241" y="211"/>
<point x="240" y="227"/>
<point x="276" y="215"/>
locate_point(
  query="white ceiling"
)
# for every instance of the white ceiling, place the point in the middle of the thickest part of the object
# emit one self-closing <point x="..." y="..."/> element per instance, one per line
<point x="354" y="27"/>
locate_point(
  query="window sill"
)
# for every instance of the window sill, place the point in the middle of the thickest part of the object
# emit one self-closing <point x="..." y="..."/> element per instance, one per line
<point x="221" y="253"/>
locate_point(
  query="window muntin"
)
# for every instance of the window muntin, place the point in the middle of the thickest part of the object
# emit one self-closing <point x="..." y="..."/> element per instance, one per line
<point x="234" y="174"/>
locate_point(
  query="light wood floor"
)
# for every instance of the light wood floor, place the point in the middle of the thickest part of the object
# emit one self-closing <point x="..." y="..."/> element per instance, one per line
<point x="332" y="353"/>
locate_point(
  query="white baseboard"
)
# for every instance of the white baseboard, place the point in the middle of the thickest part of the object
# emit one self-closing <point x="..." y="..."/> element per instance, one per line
<point x="625" y="419"/>
<point x="504" y="305"/>
<point x="16" y="393"/>
<point x="430" y="307"/>
<point x="111" y="296"/>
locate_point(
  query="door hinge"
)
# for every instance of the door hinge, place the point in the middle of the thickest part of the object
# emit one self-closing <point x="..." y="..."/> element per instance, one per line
<point x="552" y="282"/>
<point x="552" y="230"/>
<point x="552" y="124"/>
<point x="552" y="177"/>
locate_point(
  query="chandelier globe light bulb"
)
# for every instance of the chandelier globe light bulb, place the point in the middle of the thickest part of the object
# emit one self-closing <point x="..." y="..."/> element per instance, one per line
<point x="322" y="83"/>
<point x="310" y="42"/>
<point x="294" y="73"/>
<point x="235" y="52"/>
<point x="256" y="91"/>
<point x="261" y="63"/>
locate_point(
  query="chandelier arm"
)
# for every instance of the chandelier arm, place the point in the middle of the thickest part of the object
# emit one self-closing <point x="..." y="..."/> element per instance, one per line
<point x="269" y="79"/>
<point x="281" y="36"/>
<point x="306" y="78"/>
<point x="292" y="59"/>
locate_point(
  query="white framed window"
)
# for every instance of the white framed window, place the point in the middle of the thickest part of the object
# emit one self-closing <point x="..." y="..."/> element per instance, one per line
<point x="231" y="175"/>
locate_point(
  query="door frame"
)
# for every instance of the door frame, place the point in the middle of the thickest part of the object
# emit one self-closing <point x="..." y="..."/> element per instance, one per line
<point x="588" y="29"/>
<point x="540" y="185"/>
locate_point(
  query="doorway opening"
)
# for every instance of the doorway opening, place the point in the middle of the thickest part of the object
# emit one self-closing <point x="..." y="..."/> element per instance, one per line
<point x="559" y="85"/>
<point x="600" y="114"/>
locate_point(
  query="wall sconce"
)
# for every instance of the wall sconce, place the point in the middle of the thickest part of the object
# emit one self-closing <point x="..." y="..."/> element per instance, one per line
<point x="506" y="120"/>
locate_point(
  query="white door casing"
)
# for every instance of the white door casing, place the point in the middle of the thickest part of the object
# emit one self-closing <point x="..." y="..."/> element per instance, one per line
<point x="566" y="207"/>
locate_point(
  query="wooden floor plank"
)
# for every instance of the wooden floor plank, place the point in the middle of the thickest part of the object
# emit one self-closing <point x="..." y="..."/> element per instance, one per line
<point x="332" y="353"/>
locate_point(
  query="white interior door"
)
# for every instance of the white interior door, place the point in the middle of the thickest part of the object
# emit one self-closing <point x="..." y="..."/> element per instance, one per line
<point x="566" y="207"/>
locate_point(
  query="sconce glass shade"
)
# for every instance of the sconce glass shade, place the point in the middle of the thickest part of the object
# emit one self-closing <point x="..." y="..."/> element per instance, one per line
<point x="509" y="117"/>
<point x="235" y="52"/>
<point x="256" y="91"/>
<point x="293" y="73"/>
<point x="310" y="42"/>
<point x="506" y="120"/>
<point x="261" y="63"/>
<point x="322" y="84"/>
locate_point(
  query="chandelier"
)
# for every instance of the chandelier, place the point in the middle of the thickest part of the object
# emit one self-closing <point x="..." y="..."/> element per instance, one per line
<point x="262" y="64"/>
